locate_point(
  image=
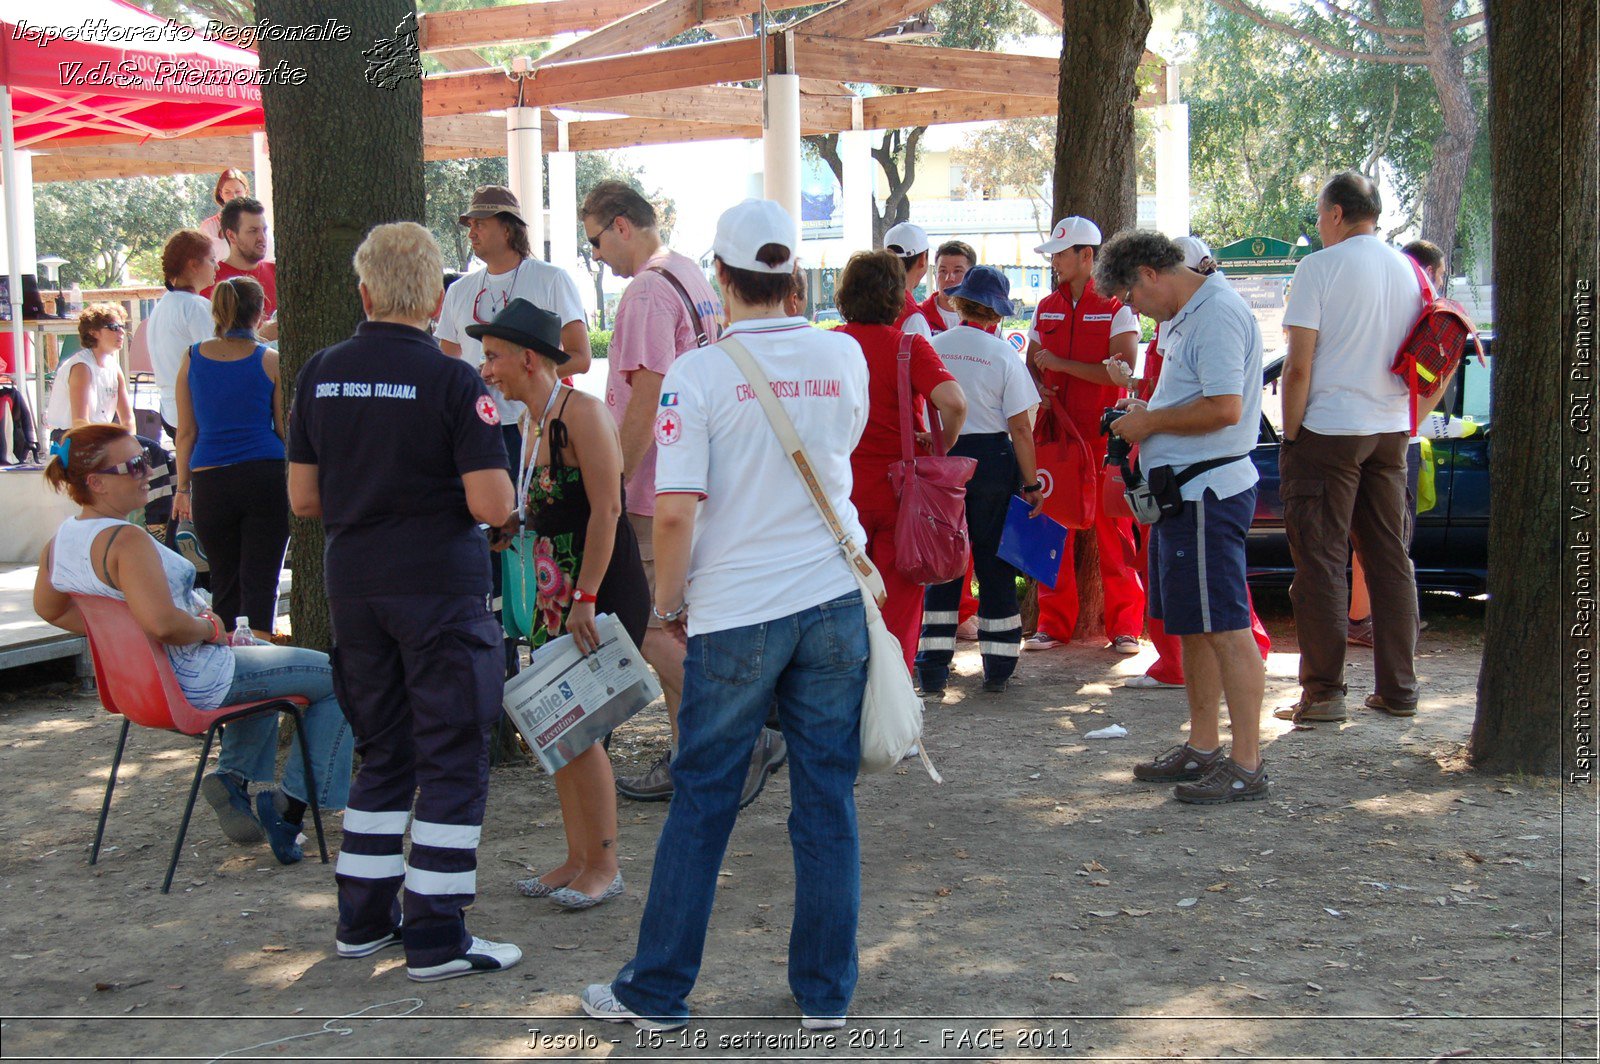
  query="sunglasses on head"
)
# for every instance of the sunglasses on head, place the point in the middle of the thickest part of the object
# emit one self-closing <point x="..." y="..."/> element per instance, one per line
<point x="137" y="466"/>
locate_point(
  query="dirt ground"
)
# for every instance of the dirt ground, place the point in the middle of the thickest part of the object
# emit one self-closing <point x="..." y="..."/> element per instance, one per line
<point x="1384" y="903"/>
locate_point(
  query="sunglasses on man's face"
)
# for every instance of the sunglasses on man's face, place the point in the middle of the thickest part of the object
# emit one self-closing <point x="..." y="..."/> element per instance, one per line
<point x="137" y="466"/>
<point x="594" y="241"/>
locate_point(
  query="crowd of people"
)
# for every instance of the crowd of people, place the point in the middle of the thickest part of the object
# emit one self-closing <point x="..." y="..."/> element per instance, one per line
<point x="675" y="505"/>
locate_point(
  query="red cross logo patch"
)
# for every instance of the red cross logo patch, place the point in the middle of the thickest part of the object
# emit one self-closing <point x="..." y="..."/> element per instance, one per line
<point x="669" y="428"/>
<point x="486" y="410"/>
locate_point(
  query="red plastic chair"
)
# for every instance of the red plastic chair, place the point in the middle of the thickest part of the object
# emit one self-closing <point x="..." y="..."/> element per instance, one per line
<point x="136" y="681"/>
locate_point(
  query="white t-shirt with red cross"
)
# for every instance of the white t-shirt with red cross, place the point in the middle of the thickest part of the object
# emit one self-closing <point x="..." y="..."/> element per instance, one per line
<point x="761" y="551"/>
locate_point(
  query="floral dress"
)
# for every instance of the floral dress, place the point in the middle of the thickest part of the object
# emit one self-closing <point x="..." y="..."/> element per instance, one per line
<point x="558" y="515"/>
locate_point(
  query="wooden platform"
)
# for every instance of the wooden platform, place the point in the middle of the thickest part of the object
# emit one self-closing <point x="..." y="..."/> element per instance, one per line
<point x="25" y="639"/>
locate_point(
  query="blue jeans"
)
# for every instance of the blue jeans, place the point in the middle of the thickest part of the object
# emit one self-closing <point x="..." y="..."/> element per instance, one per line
<point x="250" y="747"/>
<point x="813" y="664"/>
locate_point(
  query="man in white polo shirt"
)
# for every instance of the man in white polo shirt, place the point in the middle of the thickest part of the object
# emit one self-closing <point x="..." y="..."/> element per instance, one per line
<point x="1346" y="423"/>
<point x="1199" y="426"/>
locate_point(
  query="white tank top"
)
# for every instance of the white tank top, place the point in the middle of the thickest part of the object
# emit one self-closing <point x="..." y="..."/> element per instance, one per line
<point x="102" y="391"/>
<point x="204" y="670"/>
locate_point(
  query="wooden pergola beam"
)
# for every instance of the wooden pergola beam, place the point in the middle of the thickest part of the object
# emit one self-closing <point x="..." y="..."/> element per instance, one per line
<point x="606" y="135"/>
<point x="916" y="66"/>
<point x="859" y="18"/>
<point x="659" y="22"/>
<point x="552" y="18"/>
<point x="944" y="106"/>
<point x="518" y="22"/>
<point x="719" y="104"/>
<point x="685" y="67"/>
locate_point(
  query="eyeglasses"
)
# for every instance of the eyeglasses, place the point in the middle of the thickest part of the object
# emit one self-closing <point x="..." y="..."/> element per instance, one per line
<point x="137" y="466"/>
<point x="594" y="241"/>
<point x="498" y="301"/>
<point x="117" y="326"/>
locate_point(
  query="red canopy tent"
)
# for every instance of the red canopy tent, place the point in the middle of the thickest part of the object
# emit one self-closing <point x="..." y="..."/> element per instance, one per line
<point x="103" y="71"/>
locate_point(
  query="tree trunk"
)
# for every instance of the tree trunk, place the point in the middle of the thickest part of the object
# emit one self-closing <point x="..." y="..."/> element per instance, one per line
<point x="1102" y="42"/>
<point x="348" y="156"/>
<point x="1452" y="152"/>
<point x="1531" y="709"/>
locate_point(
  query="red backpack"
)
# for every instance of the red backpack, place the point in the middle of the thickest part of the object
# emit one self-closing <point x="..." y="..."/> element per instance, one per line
<point x="1434" y="347"/>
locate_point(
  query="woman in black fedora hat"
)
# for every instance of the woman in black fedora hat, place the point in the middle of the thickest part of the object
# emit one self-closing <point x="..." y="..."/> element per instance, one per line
<point x="569" y="494"/>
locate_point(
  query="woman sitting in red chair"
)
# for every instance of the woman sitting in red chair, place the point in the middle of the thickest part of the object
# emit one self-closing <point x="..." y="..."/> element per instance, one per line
<point x="98" y="552"/>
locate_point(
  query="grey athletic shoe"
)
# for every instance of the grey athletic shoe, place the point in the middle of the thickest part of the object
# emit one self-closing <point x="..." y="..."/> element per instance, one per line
<point x="655" y="785"/>
<point x="767" y="757"/>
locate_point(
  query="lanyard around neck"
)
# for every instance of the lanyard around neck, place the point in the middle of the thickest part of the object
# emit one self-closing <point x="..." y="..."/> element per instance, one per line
<point x="530" y="451"/>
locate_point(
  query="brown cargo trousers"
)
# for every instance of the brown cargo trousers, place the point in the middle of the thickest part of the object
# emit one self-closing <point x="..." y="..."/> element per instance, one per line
<point x="1335" y="489"/>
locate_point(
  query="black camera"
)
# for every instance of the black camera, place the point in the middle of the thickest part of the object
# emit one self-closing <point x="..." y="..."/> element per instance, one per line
<point x="1117" y="448"/>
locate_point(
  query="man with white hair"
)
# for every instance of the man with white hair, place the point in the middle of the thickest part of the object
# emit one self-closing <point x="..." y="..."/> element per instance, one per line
<point x="398" y="450"/>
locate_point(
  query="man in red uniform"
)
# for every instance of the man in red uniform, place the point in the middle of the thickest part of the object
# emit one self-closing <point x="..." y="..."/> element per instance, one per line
<point x="1075" y="329"/>
<point x="950" y="265"/>
<point x="243" y="223"/>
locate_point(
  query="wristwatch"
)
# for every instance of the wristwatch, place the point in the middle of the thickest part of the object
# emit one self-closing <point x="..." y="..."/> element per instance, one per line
<point x="580" y="595"/>
<point x="1035" y="486"/>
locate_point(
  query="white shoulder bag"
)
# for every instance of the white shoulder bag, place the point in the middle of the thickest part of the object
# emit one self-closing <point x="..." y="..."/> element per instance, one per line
<point x="891" y="712"/>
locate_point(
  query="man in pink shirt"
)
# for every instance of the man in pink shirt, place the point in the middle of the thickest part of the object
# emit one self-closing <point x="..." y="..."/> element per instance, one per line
<point x="667" y="309"/>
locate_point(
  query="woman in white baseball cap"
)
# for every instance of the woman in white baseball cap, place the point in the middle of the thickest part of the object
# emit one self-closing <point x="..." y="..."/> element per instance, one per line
<point x="753" y="581"/>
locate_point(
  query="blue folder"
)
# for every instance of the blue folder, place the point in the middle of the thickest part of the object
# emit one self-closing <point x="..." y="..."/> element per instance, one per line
<point x="1032" y="544"/>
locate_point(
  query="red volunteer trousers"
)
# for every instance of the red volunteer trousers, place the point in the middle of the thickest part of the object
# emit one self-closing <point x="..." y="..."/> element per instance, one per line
<point x="969" y="602"/>
<point x="1120" y="573"/>
<point x="1168" y="666"/>
<point x="902" y="608"/>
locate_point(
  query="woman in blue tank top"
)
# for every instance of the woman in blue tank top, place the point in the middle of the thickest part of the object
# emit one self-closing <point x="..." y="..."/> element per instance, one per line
<point x="230" y="456"/>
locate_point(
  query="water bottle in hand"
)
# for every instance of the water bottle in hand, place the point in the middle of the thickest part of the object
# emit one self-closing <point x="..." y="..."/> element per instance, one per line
<point x="242" y="636"/>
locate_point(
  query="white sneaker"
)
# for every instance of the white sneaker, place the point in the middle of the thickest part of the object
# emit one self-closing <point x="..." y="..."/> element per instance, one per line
<point x="1040" y="641"/>
<point x="600" y="1003"/>
<point x="823" y="1023"/>
<point x="481" y="957"/>
<point x="349" y="950"/>
<point x="1148" y="682"/>
<point x="1124" y="644"/>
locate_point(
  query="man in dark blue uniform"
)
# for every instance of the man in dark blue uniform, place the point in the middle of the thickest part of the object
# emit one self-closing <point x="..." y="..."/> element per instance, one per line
<point x="398" y="449"/>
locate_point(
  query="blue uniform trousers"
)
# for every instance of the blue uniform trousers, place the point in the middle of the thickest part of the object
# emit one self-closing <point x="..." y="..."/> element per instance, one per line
<point x="420" y="679"/>
<point x="999" y="621"/>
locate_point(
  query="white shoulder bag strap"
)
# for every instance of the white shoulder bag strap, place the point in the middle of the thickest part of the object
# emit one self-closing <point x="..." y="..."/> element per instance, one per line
<point x="865" y="572"/>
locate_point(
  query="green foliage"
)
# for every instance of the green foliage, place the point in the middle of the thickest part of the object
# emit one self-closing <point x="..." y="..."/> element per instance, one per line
<point x="449" y="184"/>
<point x="104" y="227"/>
<point x="1271" y="118"/>
<point x="599" y="343"/>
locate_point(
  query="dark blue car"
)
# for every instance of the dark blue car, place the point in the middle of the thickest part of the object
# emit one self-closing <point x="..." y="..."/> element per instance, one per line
<point x="1451" y="549"/>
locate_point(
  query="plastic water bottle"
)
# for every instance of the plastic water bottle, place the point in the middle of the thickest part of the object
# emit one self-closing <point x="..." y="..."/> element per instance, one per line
<point x="74" y="299"/>
<point x="242" y="636"/>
